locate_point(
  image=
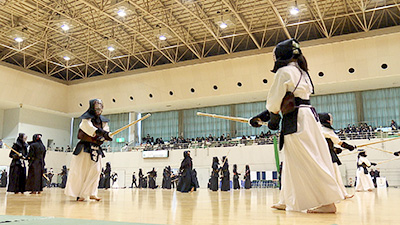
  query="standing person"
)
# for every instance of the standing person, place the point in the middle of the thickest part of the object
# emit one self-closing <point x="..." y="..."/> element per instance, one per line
<point x="17" y="178"/>
<point x="332" y="139"/>
<point x="225" y="175"/>
<point x="86" y="166"/>
<point x="152" y="178"/>
<point x="102" y="179"/>
<point x="3" y="181"/>
<point x="301" y="139"/>
<point x="214" y="174"/>
<point x="247" y="180"/>
<point x="164" y="178"/>
<point x="195" y="180"/>
<point x="134" y="180"/>
<point x="364" y="180"/>
<point x="141" y="178"/>
<point x="185" y="183"/>
<point x="107" y="176"/>
<point x="236" y="184"/>
<point x="64" y="176"/>
<point x="114" y="178"/>
<point x="167" y="177"/>
<point x="36" y="156"/>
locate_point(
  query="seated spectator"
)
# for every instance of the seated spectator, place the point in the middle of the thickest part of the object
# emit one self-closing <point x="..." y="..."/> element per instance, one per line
<point x="393" y="125"/>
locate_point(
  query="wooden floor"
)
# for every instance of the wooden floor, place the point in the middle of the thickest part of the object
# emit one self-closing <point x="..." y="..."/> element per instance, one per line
<point x="202" y="207"/>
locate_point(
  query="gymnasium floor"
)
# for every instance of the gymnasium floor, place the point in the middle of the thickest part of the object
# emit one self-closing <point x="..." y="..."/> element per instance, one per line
<point x="202" y="207"/>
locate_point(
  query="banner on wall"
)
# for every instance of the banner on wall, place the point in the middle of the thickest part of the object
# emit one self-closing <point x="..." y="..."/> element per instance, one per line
<point x="155" y="154"/>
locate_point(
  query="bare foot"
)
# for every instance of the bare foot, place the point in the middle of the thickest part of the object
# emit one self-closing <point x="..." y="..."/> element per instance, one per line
<point x="95" y="198"/>
<point x="79" y="199"/>
<point x="32" y="193"/>
<point x="331" y="208"/>
<point x="348" y="196"/>
<point x="279" y="206"/>
<point x="370" y="190"/>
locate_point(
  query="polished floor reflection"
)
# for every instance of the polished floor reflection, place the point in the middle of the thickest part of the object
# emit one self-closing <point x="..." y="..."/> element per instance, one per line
<point x="202" y="207"/>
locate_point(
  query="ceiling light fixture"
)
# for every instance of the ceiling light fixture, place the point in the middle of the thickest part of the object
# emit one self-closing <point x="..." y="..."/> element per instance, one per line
<point x="111" y="48"/>
<point x="121" y="12"/>
<point x="67" y="58"/>
<point x="65" y="27"/>
<point x="19" y="39"/>
<point x="162" y="37"/>
<point x="223" y="25"/>
<point x="295" y="9"/>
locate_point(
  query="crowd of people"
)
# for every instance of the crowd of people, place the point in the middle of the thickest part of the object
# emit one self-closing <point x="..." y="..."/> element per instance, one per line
<point x="151" y="143"/>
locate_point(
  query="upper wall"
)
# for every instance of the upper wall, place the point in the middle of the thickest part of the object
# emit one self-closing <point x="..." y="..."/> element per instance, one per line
<point x="364" y="55"/>
<point x="18" y="87"/>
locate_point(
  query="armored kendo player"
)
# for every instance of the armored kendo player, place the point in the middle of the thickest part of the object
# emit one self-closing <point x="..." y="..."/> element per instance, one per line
<point x="86" y="165"/>
<point x="332" y="139"/>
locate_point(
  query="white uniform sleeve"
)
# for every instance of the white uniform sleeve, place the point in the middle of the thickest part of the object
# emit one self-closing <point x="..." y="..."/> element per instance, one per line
<point x="364" y="160"/>
<point x="329" y="133"/>
<point x="278" y="91"/>
<point x="106" y="127"/>
<point x="87" y="126"/>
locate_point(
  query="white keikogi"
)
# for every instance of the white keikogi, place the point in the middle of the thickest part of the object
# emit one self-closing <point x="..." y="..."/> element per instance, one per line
<point x="330" y="134"/>
<point x="364" y="180"/>
<point x="85" y="168"/>
<point x="308" y="177"/>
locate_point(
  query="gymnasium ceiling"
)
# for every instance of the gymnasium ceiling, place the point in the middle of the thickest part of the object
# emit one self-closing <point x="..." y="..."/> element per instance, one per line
<point x="191" y="29"/>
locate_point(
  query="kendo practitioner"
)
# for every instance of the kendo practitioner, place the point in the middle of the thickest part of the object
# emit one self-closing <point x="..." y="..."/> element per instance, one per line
<point x="145" y="182"/>
<point x="86" y="166"/>
<point x="214" y="174"/>
<point x="3" y="181"/>
<point x="164" y="177"/>
<point x="332" y="139"/>
<point x="64" y="176"/>
<point x="313" y="187"/>
<point x="107" y="176"/>
<point x="134" y="180"/>
<point x="195" y="180"/>
<point x="141" y="179"/>
<point x="167" y="178"/>
<point x="152" y="178"/>
<point x="17" y="178"/>
<point x="236" y="184"/>
<point x="247" y="181"/>
<point x="364" y="180"/>
<point x="185" y="183"/>
<point x="36" y="156"/>
<point x="225" y="175"/>
<point x="102" y="179"/>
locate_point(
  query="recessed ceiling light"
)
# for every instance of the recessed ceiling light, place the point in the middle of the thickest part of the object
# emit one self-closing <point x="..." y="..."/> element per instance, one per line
<point x="223" y="25"/>
<point x="67" y="58"/>
<point x="294" y="10"/>
<point x="19" y="39"/>
<point x="111" y="48"/>
<point x="65" y="27"/>
<point x="121" y="13"/>
<point x="162" y="37"/>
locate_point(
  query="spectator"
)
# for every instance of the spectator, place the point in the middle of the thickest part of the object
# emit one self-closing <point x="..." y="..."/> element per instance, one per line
<point x="393" y="125"/>
<point x="1" y="143"/>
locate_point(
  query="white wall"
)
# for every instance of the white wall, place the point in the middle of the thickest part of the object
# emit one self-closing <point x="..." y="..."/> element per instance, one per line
<point x="30" y="122"/>
<point x="10" y="125"/>
<point x="51" y="126"/>
<point x="1" y="122"/>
